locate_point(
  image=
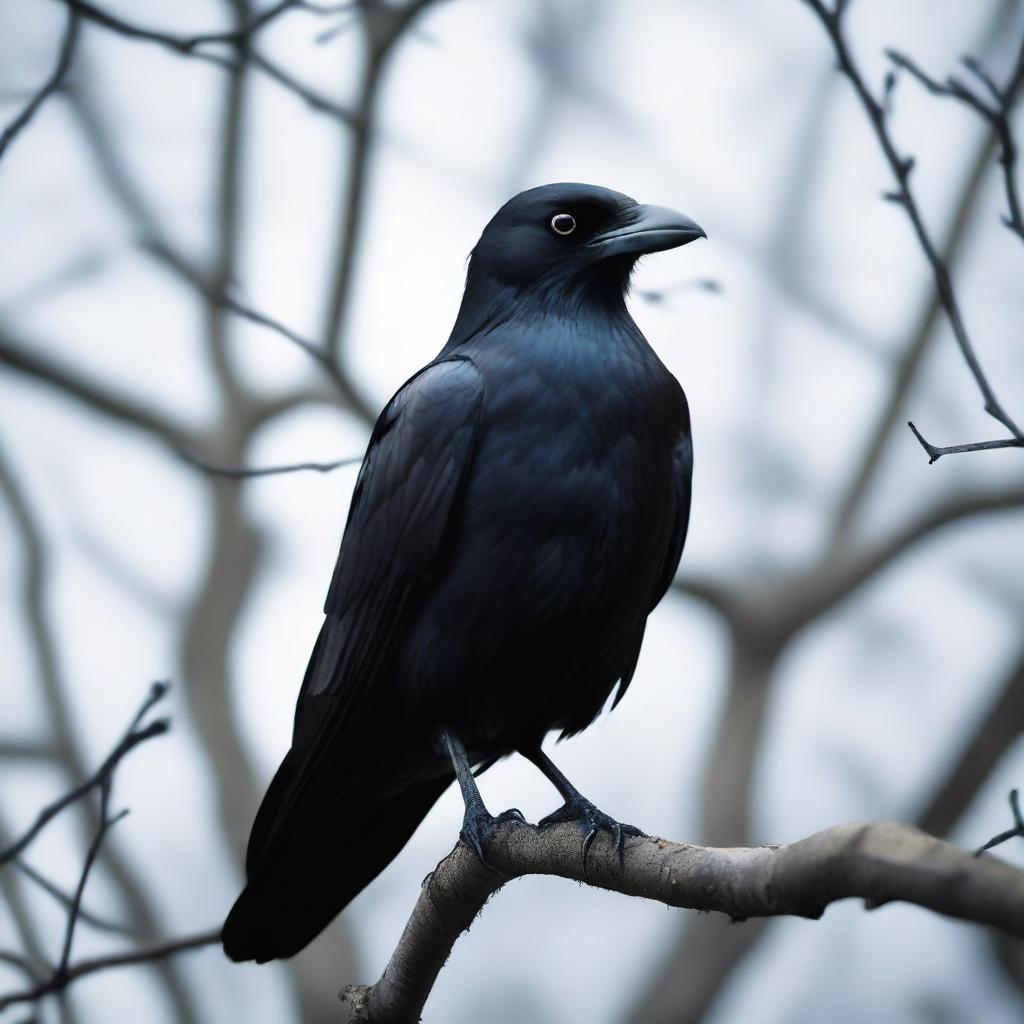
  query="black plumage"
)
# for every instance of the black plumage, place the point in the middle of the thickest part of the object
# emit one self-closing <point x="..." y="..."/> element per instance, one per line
<point x="520" y="510"/>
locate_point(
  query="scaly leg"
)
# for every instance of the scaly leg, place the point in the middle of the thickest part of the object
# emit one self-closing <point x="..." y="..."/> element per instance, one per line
<point x="577" y="808"/>
<point x="479" y="826"/>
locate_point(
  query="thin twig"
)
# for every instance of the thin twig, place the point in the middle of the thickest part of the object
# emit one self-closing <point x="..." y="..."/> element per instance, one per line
<point x="48" y="88"/>
<point x="106" y="824"/>
<point x="1010" y="833"/>
<point x="136" y="734"/>
<point x="996" y="110"/>
<point x="902" y="168"/>
<point x="935" y="453"/>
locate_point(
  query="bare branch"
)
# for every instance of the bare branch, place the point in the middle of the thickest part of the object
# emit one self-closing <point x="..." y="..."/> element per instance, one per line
<point x="996" y="113"/>
<point x="50" y="371"/>
<point x="384" y="26"/>
<point x="902" y="168"/>
<point x="879" y="862"/>
<point x="816" y="593"/>
<point x="239" y="40"/>
<point x="136" y="734"/>
<point x="1016" y="832"/>
<point x="935" y="453"/>
<point x="148" y="954"/>
<point x="155" y="240"/>
<point x="969" y="769"/>
<point x="67" y="901"/>
<point x="141" y="914"/>
<point x="911" y="359"/>
<point x="48" y="88"/>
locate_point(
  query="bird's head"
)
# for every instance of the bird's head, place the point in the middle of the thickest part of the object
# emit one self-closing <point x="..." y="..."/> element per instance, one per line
<point x="569" y="241"/>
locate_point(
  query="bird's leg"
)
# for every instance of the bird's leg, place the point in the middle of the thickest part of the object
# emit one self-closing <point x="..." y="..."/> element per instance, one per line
<point x="479" y="826"/>
<point x="577" y="808"/>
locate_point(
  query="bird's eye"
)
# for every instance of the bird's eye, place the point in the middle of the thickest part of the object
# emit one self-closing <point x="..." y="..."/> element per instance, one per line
<point x="563" y="223"/>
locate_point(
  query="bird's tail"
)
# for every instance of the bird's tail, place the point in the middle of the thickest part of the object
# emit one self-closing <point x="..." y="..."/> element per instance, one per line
<point x="306" y="863"/>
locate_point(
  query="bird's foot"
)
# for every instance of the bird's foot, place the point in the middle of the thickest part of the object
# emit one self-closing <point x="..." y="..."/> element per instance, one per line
<point x="480" y="827"/>
<point x="591" y="820"/>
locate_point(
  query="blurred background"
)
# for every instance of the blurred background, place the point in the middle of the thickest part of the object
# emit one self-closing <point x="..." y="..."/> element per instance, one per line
<point x="845" y="638"/>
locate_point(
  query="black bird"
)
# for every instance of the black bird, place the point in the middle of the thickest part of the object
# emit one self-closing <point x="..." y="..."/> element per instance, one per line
<point x="520" y="510"/>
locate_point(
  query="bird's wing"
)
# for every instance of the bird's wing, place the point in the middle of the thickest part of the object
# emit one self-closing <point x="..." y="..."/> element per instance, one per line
<point x="683" y="472"/>
<point x="682" y="460"/>
<point x="412" y="474"/>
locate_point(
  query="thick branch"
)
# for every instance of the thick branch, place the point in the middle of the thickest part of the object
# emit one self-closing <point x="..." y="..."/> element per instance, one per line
<point x="879" y="862"/>
<point x="819" y="591"/>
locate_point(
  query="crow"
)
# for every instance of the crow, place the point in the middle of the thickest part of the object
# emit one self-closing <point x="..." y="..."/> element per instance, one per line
<point x="520" y="510"/>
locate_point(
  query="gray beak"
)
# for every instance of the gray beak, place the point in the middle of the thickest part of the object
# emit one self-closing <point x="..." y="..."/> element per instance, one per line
<point x="651" y="229"/>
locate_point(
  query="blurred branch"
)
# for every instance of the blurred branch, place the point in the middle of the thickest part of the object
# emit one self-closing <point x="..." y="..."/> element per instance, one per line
<point x="67" y="901"/>
<point x="31" y="960"/>
<point x="383" y="26"/>
<point x="214" y="288"/>
<point x="996" y="111"/>
<point x="141" y="914"/>
<point x="239" y="39"/>
<point x="820" y="590"/>
<point x="902" y="168"/>
<point x="905" y="369"/>
<point x="245" y="473"/>
<point x="50" y="371"/>
<point x="102" y="780"/>
<point x="879" y="862"/>
<point x="48" y="88"/>
<point x="935" y="453"/>
<point x="26" y="750"/>
<point x="989" y="741"/>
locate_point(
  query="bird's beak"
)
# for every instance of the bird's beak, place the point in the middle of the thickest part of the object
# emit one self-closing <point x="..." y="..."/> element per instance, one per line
<point x="650" y="229"/>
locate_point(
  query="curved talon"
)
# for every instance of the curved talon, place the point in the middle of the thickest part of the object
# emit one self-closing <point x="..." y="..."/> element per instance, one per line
<point x="478" y="831"/>
<point x="591" y="821"/>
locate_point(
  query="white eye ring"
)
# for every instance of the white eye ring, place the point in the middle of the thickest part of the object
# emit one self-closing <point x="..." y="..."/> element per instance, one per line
<point x="563" y="223"/>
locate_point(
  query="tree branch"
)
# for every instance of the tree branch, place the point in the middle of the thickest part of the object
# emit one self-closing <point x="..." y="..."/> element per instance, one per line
<point x="136" y="733"/>
<point x="812" y="595"/>
<point x="988" y="742"/>
<point x="48" y="88"/>
<point x="878" y="862"/>
<point x="66" y="900"/>
<point x="996" y="113"/>
<point x="50" y="371"/>
<point x="238" y="39"/>
<point x="1017" y="832"/>
<point x="902" y="167"/>
<point x="935" y="452"/>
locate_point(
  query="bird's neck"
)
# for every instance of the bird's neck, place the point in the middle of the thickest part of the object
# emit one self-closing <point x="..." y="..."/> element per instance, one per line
<point x="488" y="303"/>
